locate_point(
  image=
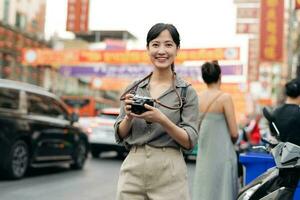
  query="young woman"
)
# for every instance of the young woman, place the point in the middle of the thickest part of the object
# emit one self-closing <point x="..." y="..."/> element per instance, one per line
<point x="155" y="168"/>
<point x="216" y="164"/>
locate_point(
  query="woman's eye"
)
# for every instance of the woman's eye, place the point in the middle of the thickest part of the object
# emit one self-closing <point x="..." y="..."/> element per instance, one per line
<point x="169" y="45"/>
<point x="155" y="45"/>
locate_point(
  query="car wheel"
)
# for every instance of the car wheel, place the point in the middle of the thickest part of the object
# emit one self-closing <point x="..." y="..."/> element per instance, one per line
<point x="17" y="162"/>
<point x="79" y="156"/>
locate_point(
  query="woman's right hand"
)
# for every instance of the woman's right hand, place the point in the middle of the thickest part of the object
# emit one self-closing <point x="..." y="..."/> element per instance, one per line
<point x="128" y="102"/>
<point x="126" y="123"/>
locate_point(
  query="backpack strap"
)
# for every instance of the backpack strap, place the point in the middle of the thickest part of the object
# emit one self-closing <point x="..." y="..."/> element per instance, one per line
<point x="183" y="97"/>
<point x="183" y="94"/>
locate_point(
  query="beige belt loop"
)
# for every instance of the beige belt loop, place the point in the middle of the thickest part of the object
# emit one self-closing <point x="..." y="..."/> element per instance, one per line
<point x="164" y="149"/>
<point x="134" y="148"/>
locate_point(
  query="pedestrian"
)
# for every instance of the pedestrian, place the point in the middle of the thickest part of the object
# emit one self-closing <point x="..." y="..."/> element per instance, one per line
<point x="253" y="131"/>
<point x="287" y="121"/>
<point x="216" y="164"/>
<point x="287" y="115"/>
<point x="156" y="135"/>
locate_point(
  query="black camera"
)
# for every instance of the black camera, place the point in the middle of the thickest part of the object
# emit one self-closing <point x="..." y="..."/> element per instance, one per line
<point x="137" y="106"/>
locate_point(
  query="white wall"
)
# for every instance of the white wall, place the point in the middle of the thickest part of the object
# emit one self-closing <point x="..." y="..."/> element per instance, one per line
<point x="1" y="9"/>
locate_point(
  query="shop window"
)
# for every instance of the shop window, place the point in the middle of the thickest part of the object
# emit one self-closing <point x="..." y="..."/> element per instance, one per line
<point x="20" y="21"/>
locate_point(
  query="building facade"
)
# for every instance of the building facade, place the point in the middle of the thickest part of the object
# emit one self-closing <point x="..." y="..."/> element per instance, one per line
<point x="21" y="26"/>
<point x="26" y="15"/>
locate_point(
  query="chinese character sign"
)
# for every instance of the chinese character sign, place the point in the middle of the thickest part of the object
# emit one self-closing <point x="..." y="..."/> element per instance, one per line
<point x="271" y="30"/>
<point x="78" y="16"/>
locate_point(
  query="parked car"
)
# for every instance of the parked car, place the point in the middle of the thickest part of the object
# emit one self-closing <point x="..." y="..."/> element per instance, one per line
<point x="36" y="130"/>
<point x="101" y="136"/>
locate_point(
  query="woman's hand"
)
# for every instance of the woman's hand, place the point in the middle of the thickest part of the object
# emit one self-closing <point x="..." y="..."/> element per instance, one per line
<point x="126" y="123"/>
<point x="152" y="115"/>
<point x="128" y="101"/>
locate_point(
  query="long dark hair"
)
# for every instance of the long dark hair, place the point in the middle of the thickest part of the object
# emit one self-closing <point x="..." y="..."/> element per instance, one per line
<point x="156" y="29"/>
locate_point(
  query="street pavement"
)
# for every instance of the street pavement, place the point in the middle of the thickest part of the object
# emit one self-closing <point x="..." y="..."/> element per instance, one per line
<point x="97" y="180"/>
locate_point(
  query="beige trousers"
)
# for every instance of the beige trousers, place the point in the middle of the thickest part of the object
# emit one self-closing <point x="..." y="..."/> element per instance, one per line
<point x="150" y="173"/>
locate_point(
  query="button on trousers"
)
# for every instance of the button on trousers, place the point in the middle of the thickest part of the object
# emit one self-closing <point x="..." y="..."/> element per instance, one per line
<point x="150" y="173"/>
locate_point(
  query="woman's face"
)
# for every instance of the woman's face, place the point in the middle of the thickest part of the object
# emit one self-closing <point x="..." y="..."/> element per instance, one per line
<point x="162" y="50"/>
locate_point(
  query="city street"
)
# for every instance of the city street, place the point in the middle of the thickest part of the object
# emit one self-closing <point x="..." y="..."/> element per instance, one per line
<point x="79" y="78"/>
<point x="97" y="181"/>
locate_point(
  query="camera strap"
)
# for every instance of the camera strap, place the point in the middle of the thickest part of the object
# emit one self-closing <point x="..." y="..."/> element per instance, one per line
<point x="133" y="89"/>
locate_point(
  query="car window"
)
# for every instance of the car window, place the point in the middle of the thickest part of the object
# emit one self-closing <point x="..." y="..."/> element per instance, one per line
<point x="43" y="105"/>
<point x="9" y="98"/>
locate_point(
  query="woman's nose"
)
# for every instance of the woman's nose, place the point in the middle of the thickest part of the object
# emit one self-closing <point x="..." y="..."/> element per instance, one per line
<point x="161" y="50"/>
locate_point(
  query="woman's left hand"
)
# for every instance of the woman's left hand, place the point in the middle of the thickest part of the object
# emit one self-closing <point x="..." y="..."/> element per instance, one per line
<point x="152" y="115"/>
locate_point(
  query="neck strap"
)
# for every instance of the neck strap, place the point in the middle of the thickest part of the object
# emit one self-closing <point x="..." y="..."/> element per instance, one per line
<point x="133" y="89"/>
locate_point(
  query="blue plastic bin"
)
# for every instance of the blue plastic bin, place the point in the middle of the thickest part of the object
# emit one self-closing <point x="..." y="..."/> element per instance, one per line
<point x="258" y="163"/>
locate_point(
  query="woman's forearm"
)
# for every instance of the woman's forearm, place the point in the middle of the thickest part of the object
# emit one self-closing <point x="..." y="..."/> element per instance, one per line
<point x="177" y="133"/>
<point x="125" y="127"/>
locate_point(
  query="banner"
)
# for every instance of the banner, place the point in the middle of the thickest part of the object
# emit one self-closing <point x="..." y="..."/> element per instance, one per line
<point x="133" y="71"/>
<point x="297" y="4"/>
<point x="75" y="57"/>
<point x="271" y="30"/>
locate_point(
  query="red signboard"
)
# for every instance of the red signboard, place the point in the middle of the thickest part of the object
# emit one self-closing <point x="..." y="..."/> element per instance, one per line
<point x="70" y="57"/>
<point x="78" y="16"/>
<point x="271" y="30"/>
<point x="297" y="4"/>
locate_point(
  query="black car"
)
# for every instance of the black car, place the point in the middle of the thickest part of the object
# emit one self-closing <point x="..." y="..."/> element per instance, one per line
<point x="36" y="130"/>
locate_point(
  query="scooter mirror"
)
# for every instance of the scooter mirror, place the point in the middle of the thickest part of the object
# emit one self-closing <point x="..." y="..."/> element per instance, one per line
<point x="270" y="118"/>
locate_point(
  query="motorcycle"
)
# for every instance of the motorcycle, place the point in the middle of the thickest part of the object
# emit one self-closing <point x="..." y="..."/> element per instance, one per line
<point x="267" y="186"/>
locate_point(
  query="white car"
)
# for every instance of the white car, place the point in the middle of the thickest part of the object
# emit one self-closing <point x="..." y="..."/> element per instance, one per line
<point x="101" y="136"/>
